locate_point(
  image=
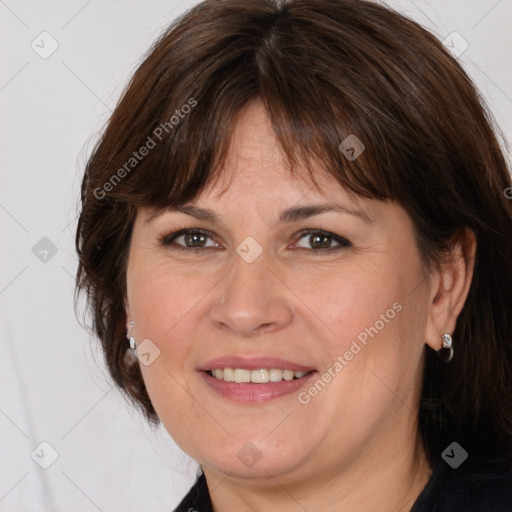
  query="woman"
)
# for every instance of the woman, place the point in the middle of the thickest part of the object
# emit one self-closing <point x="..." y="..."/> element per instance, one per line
<point x="296" y="220"/>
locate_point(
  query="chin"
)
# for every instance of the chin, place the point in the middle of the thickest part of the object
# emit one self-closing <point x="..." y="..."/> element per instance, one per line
<point x="252" y="459"/>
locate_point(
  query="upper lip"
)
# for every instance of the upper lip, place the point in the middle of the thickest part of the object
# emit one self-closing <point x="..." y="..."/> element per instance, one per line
<point x="252" y="363"/>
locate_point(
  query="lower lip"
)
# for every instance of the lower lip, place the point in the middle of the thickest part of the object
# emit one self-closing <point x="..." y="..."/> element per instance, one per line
<point x="255" y="393"/>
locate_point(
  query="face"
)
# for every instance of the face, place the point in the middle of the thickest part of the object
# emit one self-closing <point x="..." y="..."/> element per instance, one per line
<point x="339" y="297"/>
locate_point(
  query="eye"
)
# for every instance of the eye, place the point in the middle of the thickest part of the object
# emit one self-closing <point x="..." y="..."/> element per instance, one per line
<point x="321" y="240"/>
<point x="193" y="239"/>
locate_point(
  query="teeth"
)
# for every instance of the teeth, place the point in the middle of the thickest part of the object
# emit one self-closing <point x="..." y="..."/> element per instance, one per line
<point x="259" y="376"/>
<point x="288" y="375"/>
<point x="275" y="375"/>
<point x="240" y="375"/>
<point x="228" y="375"/>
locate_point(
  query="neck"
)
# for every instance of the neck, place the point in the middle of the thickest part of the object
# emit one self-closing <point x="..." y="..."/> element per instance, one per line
<point x="389" y="482"/>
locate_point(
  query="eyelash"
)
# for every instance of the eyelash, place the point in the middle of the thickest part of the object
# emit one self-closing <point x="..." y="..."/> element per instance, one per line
<point x="168" y="240"/>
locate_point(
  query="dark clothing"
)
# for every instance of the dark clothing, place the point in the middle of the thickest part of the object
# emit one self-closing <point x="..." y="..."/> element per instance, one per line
<point x="475" y="486"/>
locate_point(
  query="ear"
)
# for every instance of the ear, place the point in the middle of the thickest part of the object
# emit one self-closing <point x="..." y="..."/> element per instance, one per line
<point x="450" y="288"/>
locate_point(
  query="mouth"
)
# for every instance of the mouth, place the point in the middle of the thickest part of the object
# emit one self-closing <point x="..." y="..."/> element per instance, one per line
<point x="256" y="380"/>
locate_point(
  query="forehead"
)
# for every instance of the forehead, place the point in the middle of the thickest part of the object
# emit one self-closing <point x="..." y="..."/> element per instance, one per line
<point x="255" y="165"/>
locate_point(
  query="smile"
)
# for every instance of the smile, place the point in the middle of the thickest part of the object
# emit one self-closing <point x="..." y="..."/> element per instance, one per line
<point x="260" y="376"/>
<point x="260" y="385"/>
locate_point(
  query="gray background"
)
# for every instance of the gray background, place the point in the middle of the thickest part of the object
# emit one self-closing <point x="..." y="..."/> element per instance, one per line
<point x="54" y="387"/>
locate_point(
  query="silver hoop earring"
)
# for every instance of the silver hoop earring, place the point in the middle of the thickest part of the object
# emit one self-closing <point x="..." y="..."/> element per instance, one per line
<point x="131" y="340"/>
<point x="446" y="351"/>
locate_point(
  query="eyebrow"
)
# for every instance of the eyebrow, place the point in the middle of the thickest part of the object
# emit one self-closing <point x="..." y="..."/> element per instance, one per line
<point x="289" y="215"/>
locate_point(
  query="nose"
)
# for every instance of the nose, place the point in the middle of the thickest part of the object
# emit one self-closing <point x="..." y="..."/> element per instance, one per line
<point x="252" y="298"/>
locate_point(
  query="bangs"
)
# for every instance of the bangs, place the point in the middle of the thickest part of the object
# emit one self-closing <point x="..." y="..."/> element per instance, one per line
<point x="326" y="113"/>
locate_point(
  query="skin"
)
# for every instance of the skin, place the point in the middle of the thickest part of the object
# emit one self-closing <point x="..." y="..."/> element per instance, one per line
<point x="355" y="445"/>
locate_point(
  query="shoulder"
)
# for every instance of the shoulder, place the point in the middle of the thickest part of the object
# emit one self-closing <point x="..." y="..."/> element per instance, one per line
<point x="478" y="485"/>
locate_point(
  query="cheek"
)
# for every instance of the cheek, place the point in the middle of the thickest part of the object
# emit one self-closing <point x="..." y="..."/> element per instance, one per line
<point x="160" y="300"/>
<point x="372" y="317"/>
<point x="352" y="301"/>
<point x="163" y="305"/>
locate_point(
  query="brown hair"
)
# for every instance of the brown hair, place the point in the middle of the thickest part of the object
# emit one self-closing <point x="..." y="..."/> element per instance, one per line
<point x="324" y="69"/>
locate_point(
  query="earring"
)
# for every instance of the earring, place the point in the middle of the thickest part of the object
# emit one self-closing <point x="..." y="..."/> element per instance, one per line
<point x="131" y="339"/>
<point x="446" y="351"/>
